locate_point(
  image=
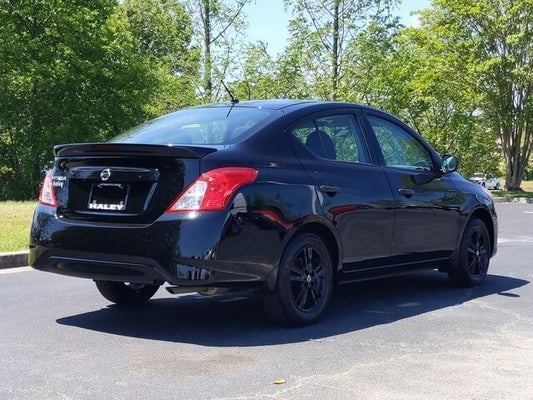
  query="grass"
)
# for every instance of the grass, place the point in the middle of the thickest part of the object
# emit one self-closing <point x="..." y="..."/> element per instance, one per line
<point x="512" y="195"/>
<point x="15" y="218"/>
<point x="15" y="221"/>
<point x="527" y="186"/>
<point x="527" y="191"/>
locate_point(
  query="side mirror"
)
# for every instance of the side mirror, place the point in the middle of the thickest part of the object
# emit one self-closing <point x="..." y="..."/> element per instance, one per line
<point x="449" y="164"/>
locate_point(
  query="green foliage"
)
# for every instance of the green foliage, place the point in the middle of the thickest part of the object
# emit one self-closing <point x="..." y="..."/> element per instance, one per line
<point x="163" y="32"/>
<point x="323" y="30"/>
<point x="62" y="74"/>
<point x="219" y="31"/>
<point x="266" y="78"/>
<point x="402" y="70"/>
<point x="489" y="45"/>
<point x="77" y="71"/>
<point x="259" y="75"/>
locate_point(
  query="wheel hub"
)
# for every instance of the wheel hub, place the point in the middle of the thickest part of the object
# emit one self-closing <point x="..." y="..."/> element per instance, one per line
<point x="308" y="285"/>
<point x="477" y="259"/>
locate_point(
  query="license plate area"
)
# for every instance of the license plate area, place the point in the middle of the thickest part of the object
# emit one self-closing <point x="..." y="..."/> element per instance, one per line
<point x="111" y="197"/>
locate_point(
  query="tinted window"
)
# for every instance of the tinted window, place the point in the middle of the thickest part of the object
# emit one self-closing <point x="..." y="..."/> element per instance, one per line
<point x="400" y="149"/>
<point x="199" y="126"/>
<point x="335" y="137"/>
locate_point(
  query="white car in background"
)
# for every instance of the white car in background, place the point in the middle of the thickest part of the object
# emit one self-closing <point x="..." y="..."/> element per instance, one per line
<point x="486" y="181"/>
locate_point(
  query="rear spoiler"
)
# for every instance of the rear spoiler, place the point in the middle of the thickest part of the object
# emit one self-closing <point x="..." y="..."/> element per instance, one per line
<point x="130" y="149"/>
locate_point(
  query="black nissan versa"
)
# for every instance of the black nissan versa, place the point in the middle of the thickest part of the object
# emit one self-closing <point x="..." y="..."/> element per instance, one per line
<point x="286" y="197"/>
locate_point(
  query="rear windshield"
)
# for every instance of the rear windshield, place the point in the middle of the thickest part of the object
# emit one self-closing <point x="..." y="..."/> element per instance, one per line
<point x="198" y="126"/>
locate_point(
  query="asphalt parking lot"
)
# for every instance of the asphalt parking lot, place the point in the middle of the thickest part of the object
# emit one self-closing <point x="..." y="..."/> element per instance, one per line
<point x="409" y="337"/>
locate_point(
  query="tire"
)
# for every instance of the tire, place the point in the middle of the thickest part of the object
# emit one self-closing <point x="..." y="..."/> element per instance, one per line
<point x="125" y="293"/>
<point x="472" y="263"/>
<point x="304" y="283"/>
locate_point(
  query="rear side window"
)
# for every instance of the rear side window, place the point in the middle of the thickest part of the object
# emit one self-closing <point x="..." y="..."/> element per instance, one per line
<point x="335" y="137"/>
<point x="199" y="126"/>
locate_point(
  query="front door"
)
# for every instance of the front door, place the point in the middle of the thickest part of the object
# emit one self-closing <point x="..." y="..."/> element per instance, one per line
<point x="426" y="201"/>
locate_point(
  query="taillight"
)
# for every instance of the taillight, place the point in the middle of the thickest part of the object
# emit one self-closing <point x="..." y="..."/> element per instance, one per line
<point x="213" y="190"/>
<point x="47" y="195"/>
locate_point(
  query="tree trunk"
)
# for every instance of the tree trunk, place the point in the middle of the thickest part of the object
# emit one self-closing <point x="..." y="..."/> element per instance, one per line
<point x="516" y="155"/>
<point x="208" y="80"/>
<point x="335" y="51"/>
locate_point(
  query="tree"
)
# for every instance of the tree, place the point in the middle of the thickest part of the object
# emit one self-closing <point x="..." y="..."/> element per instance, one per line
<point x="264" y="77"/>
<point x="162" y="30"/>
<point x="325" y="28"/>
<point x="219" y="28"/>
<point x="491" y="46"/>
<point x="402" y="70"/>
<point x="68" y="72"/>
<point x="259" y="74"/>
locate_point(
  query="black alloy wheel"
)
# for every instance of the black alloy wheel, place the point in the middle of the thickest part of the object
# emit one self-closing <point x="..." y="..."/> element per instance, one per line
<point x="474" y="255"/>
<point x="307" y="279"/>
<point x="126" y="293"/>
<point x="304" y="285"/>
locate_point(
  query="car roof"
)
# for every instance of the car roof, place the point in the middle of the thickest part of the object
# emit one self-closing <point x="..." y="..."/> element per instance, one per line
<point x="283" y="104"/>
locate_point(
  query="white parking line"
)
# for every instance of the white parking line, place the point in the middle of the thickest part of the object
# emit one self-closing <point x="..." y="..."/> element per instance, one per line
<point x="522" y="239"/>
<point x="14" y="270"/>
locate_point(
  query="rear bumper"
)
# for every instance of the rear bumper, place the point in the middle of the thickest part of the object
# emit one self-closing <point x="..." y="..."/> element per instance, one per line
<point x="98" y="266"/>
<point x="122" y="268"/>
<point x="200" y="252"/>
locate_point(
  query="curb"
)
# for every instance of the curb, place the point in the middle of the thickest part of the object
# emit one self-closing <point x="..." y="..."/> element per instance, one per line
<point x="14" y="259"/>
<point x="522" y="200"/>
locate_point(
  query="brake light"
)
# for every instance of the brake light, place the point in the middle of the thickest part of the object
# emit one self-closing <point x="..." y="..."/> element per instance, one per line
<point x="212" y="190"/>
<point x="47" y="195"/>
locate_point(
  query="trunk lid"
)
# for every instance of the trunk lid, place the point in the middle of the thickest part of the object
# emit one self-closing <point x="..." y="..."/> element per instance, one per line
<point x="122" y="183"/>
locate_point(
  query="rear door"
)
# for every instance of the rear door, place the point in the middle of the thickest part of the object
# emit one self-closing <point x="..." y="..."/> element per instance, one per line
<point x="426" y="202"/>
<point x="354" y="193"/>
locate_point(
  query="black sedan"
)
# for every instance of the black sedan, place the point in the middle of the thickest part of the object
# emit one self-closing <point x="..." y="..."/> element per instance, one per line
<point x="285" y="197"/>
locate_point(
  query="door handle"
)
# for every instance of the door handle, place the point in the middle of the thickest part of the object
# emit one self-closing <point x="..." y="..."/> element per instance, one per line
<point x="406" y="192"/>
<point x="329" y="189"/>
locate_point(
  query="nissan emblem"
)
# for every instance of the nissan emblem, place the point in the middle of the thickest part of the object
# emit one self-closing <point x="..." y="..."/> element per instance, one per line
<point x="105" y="174"/>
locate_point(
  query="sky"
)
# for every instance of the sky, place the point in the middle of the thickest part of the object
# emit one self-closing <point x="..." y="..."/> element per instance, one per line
<point x="268" y="20"/>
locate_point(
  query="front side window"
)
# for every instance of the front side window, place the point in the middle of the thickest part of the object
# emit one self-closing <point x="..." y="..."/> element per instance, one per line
<point x="335" y="137"/>
<point x="399" y="148"/>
